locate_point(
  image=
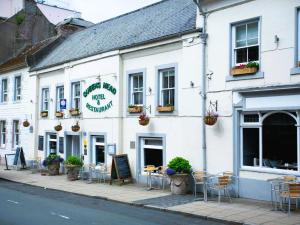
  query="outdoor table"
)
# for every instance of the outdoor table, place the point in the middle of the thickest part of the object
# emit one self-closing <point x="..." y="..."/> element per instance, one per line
<point x="205" y="184"/>
<point x="150" y="170"/>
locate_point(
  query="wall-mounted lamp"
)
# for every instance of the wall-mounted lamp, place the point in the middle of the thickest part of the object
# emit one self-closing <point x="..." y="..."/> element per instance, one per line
<point x="276" y="39"/>
<point x="209" y="75"/>
<point x="192" y="84"/>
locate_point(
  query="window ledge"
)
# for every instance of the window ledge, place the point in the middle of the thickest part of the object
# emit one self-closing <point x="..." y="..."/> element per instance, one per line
<point x="269" y="170"/>
<point x="295" y="71"/>
<point x="257" y="75"/>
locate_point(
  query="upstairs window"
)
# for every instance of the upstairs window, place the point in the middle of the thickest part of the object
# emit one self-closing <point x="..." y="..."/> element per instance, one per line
<point x="298" y="35"/>
<point x="2" y="133"/>
<point x="17" y="90"/>
<point x="136" y="89"/>
<point x="59" y="96"/>
<point x="4" y="90"/>
<point x="45" y="99"/>
<point x="76" y="93"/>
<point x="246" y="43"/>
<point x="16" y="133"/>
<point x="167" y="87"/>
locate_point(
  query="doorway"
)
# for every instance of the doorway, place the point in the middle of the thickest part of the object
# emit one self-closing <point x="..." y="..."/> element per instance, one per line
<point x="72" y="145"/>
<point x="98" y="155"/>
<point x="51" y="143"/>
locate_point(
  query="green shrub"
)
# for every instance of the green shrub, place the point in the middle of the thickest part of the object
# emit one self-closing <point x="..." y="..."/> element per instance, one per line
<point x="252" y="64"/>
<point x="180" y="165"/>
<point x="73" y="160"/>
<point x="20" y="18"/>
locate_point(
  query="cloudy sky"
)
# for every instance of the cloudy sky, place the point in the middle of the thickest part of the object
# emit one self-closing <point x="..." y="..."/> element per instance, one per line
<point x="99" y="10"/>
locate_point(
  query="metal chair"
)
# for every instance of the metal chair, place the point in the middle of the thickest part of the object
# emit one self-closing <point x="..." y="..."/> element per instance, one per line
<point x="292" y="192"/>
<point x="219" y="184"/>
<point x="161" y="174"/>
<point x="199" y="179"/>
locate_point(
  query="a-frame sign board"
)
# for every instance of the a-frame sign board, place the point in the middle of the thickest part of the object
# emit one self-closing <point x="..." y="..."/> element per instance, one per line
<point x="120" y="169"/>
<point x="19" y="156"/>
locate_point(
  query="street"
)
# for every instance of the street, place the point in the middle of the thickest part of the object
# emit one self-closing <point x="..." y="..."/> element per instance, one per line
<point x="27" y="205"/>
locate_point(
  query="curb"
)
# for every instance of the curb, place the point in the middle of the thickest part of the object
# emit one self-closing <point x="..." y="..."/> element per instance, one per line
<point x="157" y="208"/>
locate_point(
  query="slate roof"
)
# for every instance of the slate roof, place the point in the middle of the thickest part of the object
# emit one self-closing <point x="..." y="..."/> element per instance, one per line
<point x="77" y="22"/>
<point x="155" y="22"/>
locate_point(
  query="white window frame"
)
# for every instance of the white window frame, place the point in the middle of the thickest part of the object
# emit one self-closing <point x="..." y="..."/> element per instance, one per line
<point x="4" y="92"/>
<point x="157" y="147"/>
<point x="73" y="85"/>
<point x="3" y="132"/>
<point x="161" y="89"/>
<point x="49" y="139"/>
<point x="17" y="88"/>
<point x="95" y="143"/>
<point x="136" y="90"/>
<point x="298" y="36"/>
<point x="58" y="97"/>
<point x="45" y="99"/>
<point x="259" y="125"/>
<point x="233" y="44"/>
<point x="16" y="133"/>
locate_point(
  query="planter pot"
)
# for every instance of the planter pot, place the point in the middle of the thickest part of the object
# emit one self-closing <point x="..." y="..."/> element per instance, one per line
<point x="26" y="123"/>
<point x="44" y="114"/>
<point x="53" y="168"/>
<point x="72" y="172"/>
<point x="144" y="122"/>
<point x="135" y="109"/>
<point x="236" y="72"/>
<point x="165" y="108"/>
<point x="74" y="112"/>
<point x="179" y="183"/>
<point x="59" y="114"/>
<point x="210" y="120"/>
<point x="58" y="127"/>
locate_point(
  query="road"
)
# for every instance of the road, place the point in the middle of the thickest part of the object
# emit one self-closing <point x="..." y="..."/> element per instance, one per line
<point x="27" y="205"/>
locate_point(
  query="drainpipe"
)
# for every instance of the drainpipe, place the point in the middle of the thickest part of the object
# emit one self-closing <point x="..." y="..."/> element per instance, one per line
<point x="203" y="37"/>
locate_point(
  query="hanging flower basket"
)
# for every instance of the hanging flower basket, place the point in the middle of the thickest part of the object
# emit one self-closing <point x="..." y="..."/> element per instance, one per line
<point x="76" y="127"/>
<point x="26" y="123"/>
<point x="211" y="118"/>
<point x="59" y="114"/>
<point x="144" y="119"/>
<point x="58" y="127"/>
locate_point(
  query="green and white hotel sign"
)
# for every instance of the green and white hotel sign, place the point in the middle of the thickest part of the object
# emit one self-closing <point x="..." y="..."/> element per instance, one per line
<point x="99" y="102"/>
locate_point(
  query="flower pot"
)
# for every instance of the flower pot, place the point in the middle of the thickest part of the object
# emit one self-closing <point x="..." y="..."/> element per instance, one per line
<point x="179" y="183"/>
<point x="26" y="123"/>
<point x="74" y="112"/>
<point x="44" y="114"/>
<point x="72" y="172"/>
<point x="246" y="70"/>
<point x="165" y="108"/>
<point x="58" y="127"/>
<point x="135" y="109"/>
<point x="53" y="168"/>
<point x="76" y="127"/>
<point x="210" y="120"/>
<point x="59" y="114"/>
<point x="144" y="122"/>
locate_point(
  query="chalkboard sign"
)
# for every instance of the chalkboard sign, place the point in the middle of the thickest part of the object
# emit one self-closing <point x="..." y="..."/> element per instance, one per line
<point x="120" y="169"/>
<point x="20" y="156"/>
<point x="41" y="143"/>
<point x="61" y="144"/>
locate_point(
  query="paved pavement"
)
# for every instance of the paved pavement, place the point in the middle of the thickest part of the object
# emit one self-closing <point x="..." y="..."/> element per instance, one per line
<point x="242" y="211"/>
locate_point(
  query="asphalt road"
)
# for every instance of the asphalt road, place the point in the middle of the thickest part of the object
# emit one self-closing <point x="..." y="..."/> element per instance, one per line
<point x="26" y="205"/>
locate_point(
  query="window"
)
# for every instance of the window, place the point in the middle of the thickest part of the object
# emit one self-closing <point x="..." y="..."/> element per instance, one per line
<point x="245" y="43"/>
<point x="17" y="91"/>
<point x="298" y="41"/>
<point x="270" y="141"/>
<point x="152" y="152"/>
<point x="136" y="89"/>
<point x="59" y="96"/>
<point x="16" y="133"/>
<point x="45" y="99"/>
<point x="4" y="91"/>
<point x="98" y="150"/>
<point x="167" y="87"/>
<point x="3" y="133"/>
<point x="52" y="143"/>
<point x="75" y="95"/>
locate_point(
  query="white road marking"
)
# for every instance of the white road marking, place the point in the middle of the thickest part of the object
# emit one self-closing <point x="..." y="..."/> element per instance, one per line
<point x="11" y="201"/>
<point x="62" y="216"/>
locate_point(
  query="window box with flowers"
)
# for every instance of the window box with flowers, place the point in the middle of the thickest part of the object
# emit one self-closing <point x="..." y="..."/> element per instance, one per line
<point x="44" y="114"/>
<point x="59" y="114"/>
<point x="249" y="68"/>
<point x="135" y="109"/>
<point x="144" y="119"/>
<point x="74" y="112"/>
<point x="166" y="108"/>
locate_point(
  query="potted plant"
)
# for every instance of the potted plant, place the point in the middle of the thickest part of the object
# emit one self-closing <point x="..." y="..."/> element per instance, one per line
<point x="26" y="123"/>
<point x="135" y="108"/>
<point x="53" y="163"/>
<point x="74" y="112"/>
<point x="73" y="165"/>
<point x="59" y="114"/>
<point x="144" y="119"/>
<point x="165" y="108"/>
<point x="210" y="118"/>
<point x="249" y="68"/>
<point x="76" y="127"/>
<point x="44" y="114"/>
<point x="58" y="127"/>
<point x="179" y="171"/>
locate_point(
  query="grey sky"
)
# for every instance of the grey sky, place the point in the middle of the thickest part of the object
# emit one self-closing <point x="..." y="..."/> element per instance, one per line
<point x="99" y="10"/>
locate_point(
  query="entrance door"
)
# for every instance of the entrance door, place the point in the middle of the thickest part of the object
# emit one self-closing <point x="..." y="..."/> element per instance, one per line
<point x="51" y="143"/>
<point x="72" y="145"/>
<point x="98" y="150"/>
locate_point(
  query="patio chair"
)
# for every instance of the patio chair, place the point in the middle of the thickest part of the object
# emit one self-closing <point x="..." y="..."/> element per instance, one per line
<point x="292" y="192"/>
<point x="199" y="179"/>
<point x="161" y="174"/>
<point x="220" y="184"/>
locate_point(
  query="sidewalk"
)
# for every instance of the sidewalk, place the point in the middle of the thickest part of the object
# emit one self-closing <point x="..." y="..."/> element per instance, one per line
<point x="243" y="211"/>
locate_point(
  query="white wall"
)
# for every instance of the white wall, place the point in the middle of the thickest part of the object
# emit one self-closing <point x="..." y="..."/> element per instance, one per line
<point x="10" y="7"/>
